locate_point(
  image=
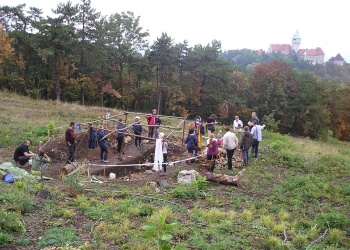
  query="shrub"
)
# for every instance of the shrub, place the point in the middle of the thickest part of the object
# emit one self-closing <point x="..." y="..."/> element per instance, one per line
<point x="272" y="242"/>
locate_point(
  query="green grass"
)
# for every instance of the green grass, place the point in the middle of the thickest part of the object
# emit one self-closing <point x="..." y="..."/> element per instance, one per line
<point x="296" y="192"/>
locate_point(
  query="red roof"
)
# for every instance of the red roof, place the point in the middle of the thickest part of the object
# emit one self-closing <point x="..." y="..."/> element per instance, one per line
<point x="311" y="52"/>
<point x="286" y="48"/>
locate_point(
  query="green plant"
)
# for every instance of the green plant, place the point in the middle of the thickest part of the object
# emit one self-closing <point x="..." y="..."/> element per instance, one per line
<point x="72" y="186"/>
<point x="22" y="240"/>
<point x="159" y="231"/>
<point x="11" y="222"/>
<point x="247" y="215"/>
<point x="201" y="182"/>
<point x="146" y="210"/>
<point x="335" y="236"/>
<point x="59" y="237"/>
<point x="5" y="238"/>
<point x="332" y="220"/>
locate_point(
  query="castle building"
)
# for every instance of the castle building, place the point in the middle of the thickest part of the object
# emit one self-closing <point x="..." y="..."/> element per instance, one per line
<point x="338" y="59"/>
<point x="312" y="55"/>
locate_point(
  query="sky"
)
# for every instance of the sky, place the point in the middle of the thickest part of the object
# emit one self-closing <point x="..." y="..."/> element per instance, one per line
<point x="237" y="24"/>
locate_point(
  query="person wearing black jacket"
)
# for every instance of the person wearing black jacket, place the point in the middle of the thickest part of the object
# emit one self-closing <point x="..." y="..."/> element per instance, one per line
<point x="137" y="131"/>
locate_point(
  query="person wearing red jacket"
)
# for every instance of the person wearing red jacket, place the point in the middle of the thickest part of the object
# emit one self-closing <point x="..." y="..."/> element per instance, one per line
<point x="152" y="121"/>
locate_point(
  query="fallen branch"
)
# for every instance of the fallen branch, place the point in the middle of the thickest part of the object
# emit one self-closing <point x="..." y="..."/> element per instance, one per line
<point x="317" y="240"/>
<point x="222" y="178"/>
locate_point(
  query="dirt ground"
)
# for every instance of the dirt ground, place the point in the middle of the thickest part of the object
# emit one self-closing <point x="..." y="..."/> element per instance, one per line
<point x="57" y="150"/>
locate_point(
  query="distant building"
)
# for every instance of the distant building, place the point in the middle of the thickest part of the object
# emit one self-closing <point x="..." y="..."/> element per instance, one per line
<point x="313" y="55"/>
<point x="338" y="59"/>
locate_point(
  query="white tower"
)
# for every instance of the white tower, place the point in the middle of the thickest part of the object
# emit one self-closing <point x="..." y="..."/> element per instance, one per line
<point x="296" y="40"/>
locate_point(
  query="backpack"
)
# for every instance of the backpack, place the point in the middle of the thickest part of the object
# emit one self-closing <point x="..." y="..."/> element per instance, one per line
<point x="8" y="178"/>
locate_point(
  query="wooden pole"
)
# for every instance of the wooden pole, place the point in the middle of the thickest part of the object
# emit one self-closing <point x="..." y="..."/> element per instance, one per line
<point x="183" y="132"/>
<point x="177" y="127"/>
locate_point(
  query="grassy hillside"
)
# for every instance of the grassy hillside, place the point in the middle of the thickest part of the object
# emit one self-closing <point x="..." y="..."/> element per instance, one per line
<point x="295" y="196"/>
<point x="24" y="118"/>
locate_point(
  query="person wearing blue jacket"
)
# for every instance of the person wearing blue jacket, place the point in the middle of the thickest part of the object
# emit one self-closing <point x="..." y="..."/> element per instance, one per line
<point x="102" y="143"/>
<point x="191" y="143"/>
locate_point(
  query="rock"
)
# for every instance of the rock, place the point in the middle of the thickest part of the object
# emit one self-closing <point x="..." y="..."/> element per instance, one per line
<point x="148" y="172"/>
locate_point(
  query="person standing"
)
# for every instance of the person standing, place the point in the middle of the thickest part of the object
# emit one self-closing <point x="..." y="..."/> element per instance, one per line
<point x="211" y="124"/>
<point x="245" y="144"/>
<point x="212" y="145"/>
<point x="137" y="131"/>
<point x="230" y="142"/>
<point x="191" y="144"/>
<point x="40" y="163"/>
<point x="102" y="143"/>
<point x="257" y="137"/>
<point x="92" y="144"/>
<point x="120" y="138"/>
<point x="253" y="119"/>
<point x="22" y="153"/>
<point x="237" y="126"/>
<point x="165" y="148"/>
<point x="71" y="142"/>
<point x="152" y="121"/>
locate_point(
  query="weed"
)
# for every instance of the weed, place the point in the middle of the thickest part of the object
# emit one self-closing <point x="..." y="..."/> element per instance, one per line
<point x="284" y="215"/>
<point x="247" y="215"/>
<point x="59" y="237"/>
<point x="268" y="221"/>
<point x="300" y="240"/>
<point x="20" y="185"/>
<point x="272" y="242"/>
<point x="72" y="186"/>
<point x="67" y="214"/>
<point x="17" y="200"/>
<point x="11" y="222"/>
<point x="279" y="228"/>
<point x="335" y="236"/>
<point x="22" y="240"/>
<point x="213" y="215"/>
<point x="158" y="231"/>
<point x="146" y="210"/>
<point x="176" y="172"/>
<point x="5" y="238"/>
<point x="332" y="220"/>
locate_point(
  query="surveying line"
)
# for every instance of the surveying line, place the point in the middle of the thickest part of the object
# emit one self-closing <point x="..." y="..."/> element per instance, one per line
<point x="148" y="164"/>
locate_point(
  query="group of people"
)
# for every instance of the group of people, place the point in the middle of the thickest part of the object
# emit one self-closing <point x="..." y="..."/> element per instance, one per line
<point x="23" y="155"/>
<point x="243" y="137"/>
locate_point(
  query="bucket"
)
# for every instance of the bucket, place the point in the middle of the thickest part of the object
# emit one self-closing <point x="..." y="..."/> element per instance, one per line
<point x="112" y="176"/>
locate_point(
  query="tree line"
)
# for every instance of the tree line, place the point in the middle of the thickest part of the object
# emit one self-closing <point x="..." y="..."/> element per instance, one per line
<point x="78" y="55"/>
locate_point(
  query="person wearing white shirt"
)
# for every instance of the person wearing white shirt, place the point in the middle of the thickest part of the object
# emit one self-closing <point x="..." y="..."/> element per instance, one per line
<point x="257" y="137"/>
<point x="238" y="126"/>
<point x="230" y="142"/>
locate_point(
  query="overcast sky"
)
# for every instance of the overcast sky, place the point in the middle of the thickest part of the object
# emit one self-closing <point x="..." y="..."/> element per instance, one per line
<point x="238" y="24"/>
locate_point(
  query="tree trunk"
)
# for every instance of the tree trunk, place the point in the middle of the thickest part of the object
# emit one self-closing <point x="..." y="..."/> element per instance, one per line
<point x="221" y="178"/>
<point x="57" y="76"/>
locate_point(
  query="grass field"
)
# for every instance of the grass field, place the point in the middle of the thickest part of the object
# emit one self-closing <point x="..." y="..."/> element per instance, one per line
<point x="295" y="196"/>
